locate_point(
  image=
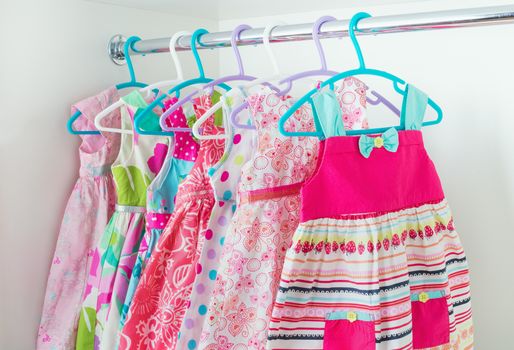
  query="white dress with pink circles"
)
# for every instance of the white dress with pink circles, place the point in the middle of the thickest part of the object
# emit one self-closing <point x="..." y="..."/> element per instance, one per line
<point x="225" y="177"/>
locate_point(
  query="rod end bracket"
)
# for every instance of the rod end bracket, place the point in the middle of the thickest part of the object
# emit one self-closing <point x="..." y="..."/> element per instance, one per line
<point x="115" y="49"/>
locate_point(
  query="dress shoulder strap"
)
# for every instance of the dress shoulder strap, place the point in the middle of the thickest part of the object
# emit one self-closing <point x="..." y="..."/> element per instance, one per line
<point x="413" y="109"/>
<point x="137" y="104"/>
<point x="327" y="112"/>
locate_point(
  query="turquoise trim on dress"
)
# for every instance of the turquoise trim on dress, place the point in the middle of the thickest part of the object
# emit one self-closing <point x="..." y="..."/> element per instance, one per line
<point x="327" y="111"/>
<point x="431" y="295"/>
<point x="343" y="315"/>
<point x="389" y="140"/>
<point x="413" y="108"/>
<point x="136" y="100"/>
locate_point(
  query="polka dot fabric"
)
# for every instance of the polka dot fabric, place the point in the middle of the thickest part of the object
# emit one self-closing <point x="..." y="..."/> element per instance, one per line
<point x="186" y="148"/>
<point x="225" y="178"/>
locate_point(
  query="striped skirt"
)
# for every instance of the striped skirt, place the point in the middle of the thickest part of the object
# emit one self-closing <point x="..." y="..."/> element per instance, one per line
<point x="397" y="280"/>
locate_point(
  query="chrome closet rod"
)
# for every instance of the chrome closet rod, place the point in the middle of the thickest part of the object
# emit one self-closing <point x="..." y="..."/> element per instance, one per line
<point x="296" y="32"/>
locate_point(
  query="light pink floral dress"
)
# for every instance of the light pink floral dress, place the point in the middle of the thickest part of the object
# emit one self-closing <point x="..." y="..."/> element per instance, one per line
<point x="89" y="208"/>
<point x="263" y="225"/>
<point x="138" y="162"/>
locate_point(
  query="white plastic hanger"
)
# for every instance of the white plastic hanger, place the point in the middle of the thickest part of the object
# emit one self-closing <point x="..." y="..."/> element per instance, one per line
<point x="106" y="112"/>
<point x="208" y="113"/>
<point x="277" y="75"/>
<point x="178" y="66"/>
<point x="238" y="90"/>
<point x="220" y="104"/>
<point x="149" y="89"/>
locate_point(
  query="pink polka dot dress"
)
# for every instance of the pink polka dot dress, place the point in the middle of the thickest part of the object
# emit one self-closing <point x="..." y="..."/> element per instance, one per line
<point x="225" y="177"/>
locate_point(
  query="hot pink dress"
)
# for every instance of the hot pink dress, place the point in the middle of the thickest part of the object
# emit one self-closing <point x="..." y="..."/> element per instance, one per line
<point x="88" y="211"/>
<point x="162" y="296"/>
<point x="377" y="263"/>
<point x="265" y="220"/>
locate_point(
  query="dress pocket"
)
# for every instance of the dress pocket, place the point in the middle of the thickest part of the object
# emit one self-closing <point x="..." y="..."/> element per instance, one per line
<point x="347" y="330"/>
<point x="430" y="320"/>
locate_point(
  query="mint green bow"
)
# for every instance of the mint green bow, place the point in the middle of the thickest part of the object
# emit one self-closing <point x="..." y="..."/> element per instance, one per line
<point x="388" y="140"/>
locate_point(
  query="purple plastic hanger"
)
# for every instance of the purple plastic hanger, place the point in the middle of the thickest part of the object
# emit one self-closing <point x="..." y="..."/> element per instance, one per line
<point x="289" y="80"/>
<point x="241" y="76"/>
<point x="381" y="99"/>
<point x="321" y="72"/>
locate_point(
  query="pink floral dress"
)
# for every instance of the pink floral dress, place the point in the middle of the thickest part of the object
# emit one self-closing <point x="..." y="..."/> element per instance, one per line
<point x="162" y="296"/>
<point x="161" y="194"/>
<point x="264" y="222"/>
<point x="89" y="208"/>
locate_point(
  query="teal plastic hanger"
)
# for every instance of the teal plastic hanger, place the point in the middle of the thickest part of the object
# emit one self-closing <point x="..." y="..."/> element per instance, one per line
<point x="129" y="84"/>
<point x="362" y="70"/>
<point x="201" y="79"/>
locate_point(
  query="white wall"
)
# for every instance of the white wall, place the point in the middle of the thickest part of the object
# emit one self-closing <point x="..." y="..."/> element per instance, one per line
<point x="469" y="72"/>
<point x="53" y="53"/>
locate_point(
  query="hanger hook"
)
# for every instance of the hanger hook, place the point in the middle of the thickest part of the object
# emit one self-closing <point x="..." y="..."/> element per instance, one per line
<point x="173" y="51"/>
<point x="315" y="36"/>
<point x="266" y="36"/>
<point x="195" y="38"/>
<point x="129" y="44"/>
<point x="351" y="32"/>
<point x="236" y="33"/>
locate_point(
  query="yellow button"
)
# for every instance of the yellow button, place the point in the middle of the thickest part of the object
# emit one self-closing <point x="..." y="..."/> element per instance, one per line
<point x="351" y="316"/>
<point x="423" y="297"/>
<point x="379" y="142"/>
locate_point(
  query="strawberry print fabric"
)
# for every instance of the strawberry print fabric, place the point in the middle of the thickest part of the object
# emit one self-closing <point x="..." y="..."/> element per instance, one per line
<point x="381" y="266"/>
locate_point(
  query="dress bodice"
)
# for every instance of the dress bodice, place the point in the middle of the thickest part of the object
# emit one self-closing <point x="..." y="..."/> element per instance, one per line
<point x="97" y="152"/>
<point x="140" y="158"/>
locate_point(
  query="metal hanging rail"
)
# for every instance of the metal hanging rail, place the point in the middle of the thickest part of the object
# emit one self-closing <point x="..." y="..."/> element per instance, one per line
<point x="297" y="32"/>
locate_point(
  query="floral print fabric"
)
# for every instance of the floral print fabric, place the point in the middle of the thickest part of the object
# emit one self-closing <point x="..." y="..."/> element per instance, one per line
<point x="261" y="230"/>
<point x="161" y="194"/>
<point x="351" y="95"/>
<point x="161" y="299"/>
<point x="89" y="208"/>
